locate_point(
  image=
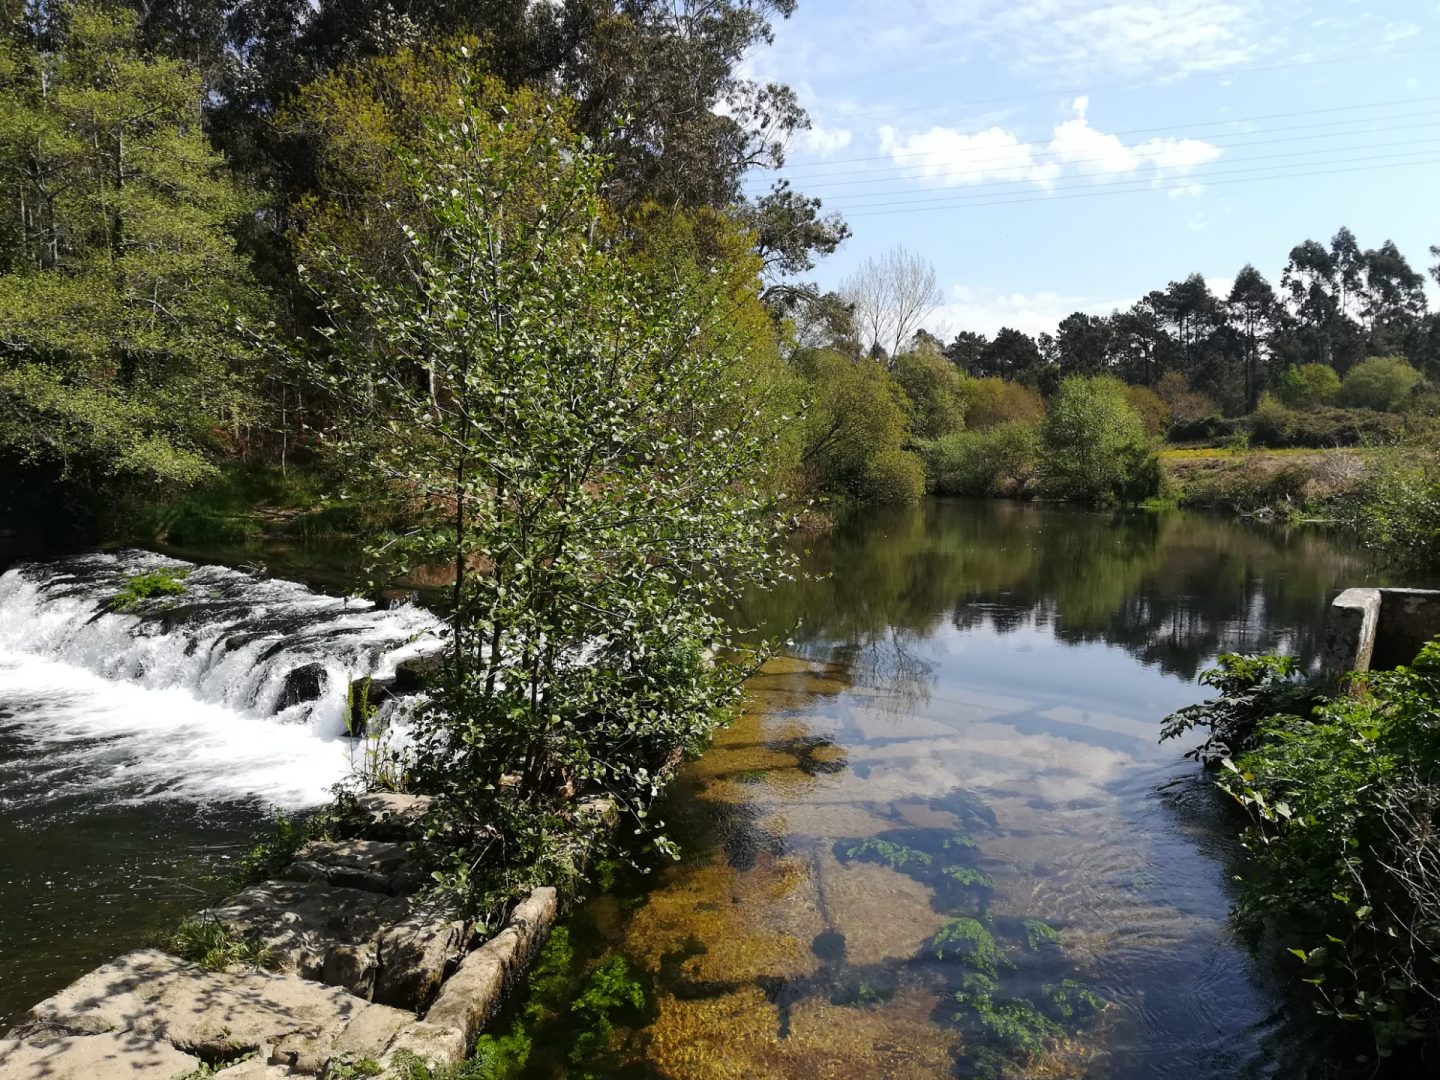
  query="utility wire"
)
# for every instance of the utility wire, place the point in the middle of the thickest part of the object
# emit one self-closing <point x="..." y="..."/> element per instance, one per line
<point x="938" y="171"/>
<point x="1348" y="57"/>
<point x="1137" y="191"/>
<point x="1172" y="128"/>
<point x="1191" y="173"/>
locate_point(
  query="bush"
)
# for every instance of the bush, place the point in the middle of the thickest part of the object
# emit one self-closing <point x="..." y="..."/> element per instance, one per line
<point x="1343" y="849"/>
<point x="1096" y="448"/>
<point x="998" y="461"/>
<point x="1308" y="386"/>
<point x="931" y="386"/>
<point x="1274" y="425"/>
<point x="855" y="431"/>
<point x="1397" y="508"/>
<point x="142" y="587"/>
<point x="1381" y="383"/>
<point x="991" y="402"/>
<point x="1152" y="410"/>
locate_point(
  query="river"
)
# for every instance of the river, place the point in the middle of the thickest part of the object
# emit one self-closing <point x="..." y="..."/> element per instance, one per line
<point x="962" y="733"/>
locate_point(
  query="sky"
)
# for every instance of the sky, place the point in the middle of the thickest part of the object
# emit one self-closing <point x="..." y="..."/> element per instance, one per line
<point x="1049" y="156"/>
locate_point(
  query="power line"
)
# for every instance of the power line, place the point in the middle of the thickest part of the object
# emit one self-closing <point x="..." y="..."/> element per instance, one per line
<point x="1054" y="157"/>
<point x="1152" y="130"/>
<point x="1142" y="190"/>
<point x="1073" y="91"/>
<point x="1194" y="172"/>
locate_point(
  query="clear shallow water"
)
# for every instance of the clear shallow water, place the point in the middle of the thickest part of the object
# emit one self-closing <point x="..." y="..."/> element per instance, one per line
<point x="965" y="726"/>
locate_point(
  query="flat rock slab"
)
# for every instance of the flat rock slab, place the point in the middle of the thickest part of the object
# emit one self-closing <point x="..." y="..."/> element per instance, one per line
<point x="372" y="865"/>
<point x="383" y="948"/>
<point x="390" y="815"/>
<point x="217" y="1016"/>
<point x="94" y="1057"/>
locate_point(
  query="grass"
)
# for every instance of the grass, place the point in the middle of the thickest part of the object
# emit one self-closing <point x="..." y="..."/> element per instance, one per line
<point x="142" y="587"/>
<point x="211" y="944"/>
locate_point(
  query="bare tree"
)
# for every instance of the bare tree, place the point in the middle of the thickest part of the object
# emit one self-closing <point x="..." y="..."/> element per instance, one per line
<point x="891" y="295"/>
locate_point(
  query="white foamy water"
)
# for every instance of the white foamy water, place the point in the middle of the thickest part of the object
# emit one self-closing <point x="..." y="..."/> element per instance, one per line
<point x="236" y="688"/>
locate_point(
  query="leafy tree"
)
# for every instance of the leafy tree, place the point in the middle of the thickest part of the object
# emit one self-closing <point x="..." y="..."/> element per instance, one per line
<point x="1013" y="355"/>
<point x="990" y="402"/>
<point x="932" y="388"/>
<point x="1096" y="447"/>
<point x="1153" y="411"/>
<point x="559" y="421"/>
<point x="1321" y="284"/>
<point x="966" y="350"/>
<point x="1185" y="404"/>
<point x="856" y="428"/>
<point x="1393" y="302"/>
<point x="1254" y="310"/>
<point x="119" y="283"/>
<point x="1308" y="386"/>
<point x="1381" y="382"/>
<point x="1084" y="344"/>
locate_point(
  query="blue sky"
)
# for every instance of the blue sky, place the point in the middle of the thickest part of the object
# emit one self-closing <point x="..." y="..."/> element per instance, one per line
<point x="1058" y="155"/>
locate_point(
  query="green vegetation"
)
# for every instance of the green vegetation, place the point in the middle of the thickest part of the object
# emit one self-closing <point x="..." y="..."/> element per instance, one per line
<point x="1096" y="448"/>
<point x="1342" y="858"/>
<point x="1381" y="383"/>
<point x="209" y="943"/>
<point x="141" y="587"/>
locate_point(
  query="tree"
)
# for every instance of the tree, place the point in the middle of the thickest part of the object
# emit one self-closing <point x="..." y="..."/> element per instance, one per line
<point x="891" y="295"/>
<point x="1185" y="404"/>
<point x="931" y="386"/>
<point x="1321" y="284"/>
<point x="1393" y="299"/>
<point x="119" y="281"/>
<point x="966" y="350"/>
<point x="1084" y="344"/>
<point x="1253" y="310"/>
<point x="559" y="419"/>
<point x="990" y="402"/>
<point x="1308" y="386"/>
<point x="1013" y="355"/>
<point x="1380" y="383"/>
<point x="855" y="431"/>
<point x="1096" y="447"/>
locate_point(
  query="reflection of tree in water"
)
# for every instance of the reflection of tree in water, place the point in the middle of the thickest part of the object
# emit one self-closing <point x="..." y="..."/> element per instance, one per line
<point x="1172" y="589"/>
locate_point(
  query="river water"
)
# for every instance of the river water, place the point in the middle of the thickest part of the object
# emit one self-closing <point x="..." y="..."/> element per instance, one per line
<point x="962" y="740"/>
<point x="962" y="735"/>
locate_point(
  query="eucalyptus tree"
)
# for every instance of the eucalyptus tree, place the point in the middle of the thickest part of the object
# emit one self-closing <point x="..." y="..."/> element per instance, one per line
<point x="566" y="424"/>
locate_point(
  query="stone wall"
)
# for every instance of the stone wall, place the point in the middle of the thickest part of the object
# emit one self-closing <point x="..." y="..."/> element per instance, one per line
<point x="367" y="972"/>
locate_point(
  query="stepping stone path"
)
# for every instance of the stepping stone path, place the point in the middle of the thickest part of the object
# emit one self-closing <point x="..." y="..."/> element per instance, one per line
<point x="366" y="973"/>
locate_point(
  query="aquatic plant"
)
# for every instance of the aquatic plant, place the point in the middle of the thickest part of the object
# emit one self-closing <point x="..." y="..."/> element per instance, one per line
<point x="1039" y="934"/>
<point x="148" y="586"/>
<point x="967" y="940"/>
<point x="896" y="856"/>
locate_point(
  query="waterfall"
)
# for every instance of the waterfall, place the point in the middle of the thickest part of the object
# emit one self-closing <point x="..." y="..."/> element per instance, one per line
<point x="237" y="686"/>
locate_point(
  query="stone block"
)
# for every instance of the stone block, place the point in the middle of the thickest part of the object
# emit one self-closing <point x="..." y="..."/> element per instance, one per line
<point x="216" y="1015"/>
<point x="94" y="1057"/>
<point x="1350" y="628"/>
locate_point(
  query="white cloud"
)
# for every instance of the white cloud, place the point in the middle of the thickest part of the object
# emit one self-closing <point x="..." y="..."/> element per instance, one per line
<point x="949" y="157"/>
<point x="821" y="141"/>
<point x="1396" y="32"/>
<point x="985" y="310"/>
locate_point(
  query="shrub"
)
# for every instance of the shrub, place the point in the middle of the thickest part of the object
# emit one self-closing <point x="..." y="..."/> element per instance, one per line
<point x="1380" y="383"/>
<point x="997" y="461"/>
<point x="1308" y="385"/>
<point x="855" y="431"/>
<point x="1274" y="425"/>
<point x="141" y="587"/>
<point x="1186" y="405"/>
<point x="931" y="386"/>
<point x="1153" y="411"/>
<point x="1343" y="850"/>
<point x="1397" y="507"/>
<point x="991" y="402"/>
<point x="1096" y="448"/>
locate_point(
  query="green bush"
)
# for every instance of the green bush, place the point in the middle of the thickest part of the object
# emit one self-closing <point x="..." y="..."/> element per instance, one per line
<point x="997" y="461"/>
<point x="141" y="587"/>
<point x="1274" y="425"/>
<point x="1381" y="383"/>
<point x="931" y="386"/>
<point x="1096" y="448"/>
<point x="1396" y="509"/>
<point x="1308" y="386"/>
<point x="1343" y="850"/>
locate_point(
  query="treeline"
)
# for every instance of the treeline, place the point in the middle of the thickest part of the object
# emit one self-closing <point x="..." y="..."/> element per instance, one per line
<point x="1336" y="306"/>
